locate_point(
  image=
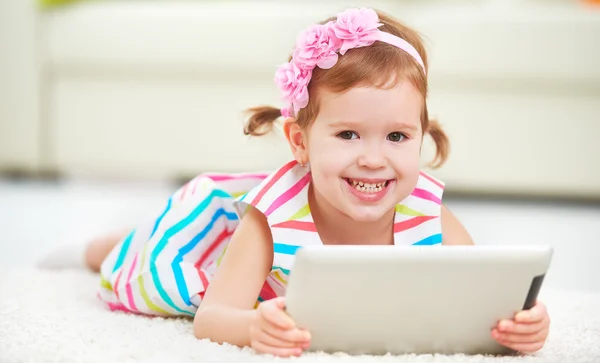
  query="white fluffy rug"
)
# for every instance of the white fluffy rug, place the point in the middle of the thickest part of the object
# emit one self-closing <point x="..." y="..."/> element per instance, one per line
<point x="53" y="316"/>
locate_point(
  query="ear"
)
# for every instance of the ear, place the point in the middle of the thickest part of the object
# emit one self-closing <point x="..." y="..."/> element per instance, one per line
<point x="297" y="140"/>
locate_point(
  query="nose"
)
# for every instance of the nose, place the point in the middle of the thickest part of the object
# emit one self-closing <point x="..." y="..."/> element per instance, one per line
<point x="372" y="157"/>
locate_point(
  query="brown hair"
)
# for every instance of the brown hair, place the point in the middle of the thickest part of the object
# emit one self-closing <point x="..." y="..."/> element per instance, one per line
<point x="368" y="66"/>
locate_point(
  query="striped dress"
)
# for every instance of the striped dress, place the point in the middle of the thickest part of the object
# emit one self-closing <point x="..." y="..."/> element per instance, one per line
<point x="164" y="266"/>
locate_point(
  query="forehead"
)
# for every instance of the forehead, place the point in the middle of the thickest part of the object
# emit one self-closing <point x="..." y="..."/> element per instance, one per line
<point x="401" y="103"/>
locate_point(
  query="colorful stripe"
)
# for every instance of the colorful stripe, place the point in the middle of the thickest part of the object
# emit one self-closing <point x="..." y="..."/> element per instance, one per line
<point x="288" y="195"/>
<point x="123" y="252"/>
<point x="403" y="209"/>
<point x="285" y="249"/>
<point x="302" y="212"/>
<point x="425" y="194"/>
<point x="128" y="285"/>
<point x="116" y="287"/>
<point x="284" y="270"/>
<point x="176" y="263"/>
<point x="300" y="225"/>
<point x="178" y="227"/>
<point x="213" y="246"/>
<point x="431" y="179"/>
<point x="160" y="218"/>
<point x="431" y="240"/>
<point x="225" y="177"/>
<point x="267" y="293"/>
<point x="140" y="281"/>
<point x="105" y="283"/>
<point x="411" y="223"/>
<point x="281" y="172"/>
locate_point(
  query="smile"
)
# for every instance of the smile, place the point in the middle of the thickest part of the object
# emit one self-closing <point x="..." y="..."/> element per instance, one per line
<point x="368" y="186"/>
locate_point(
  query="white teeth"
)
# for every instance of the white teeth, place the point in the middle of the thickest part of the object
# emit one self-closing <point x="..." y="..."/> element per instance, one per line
<point x="367" y="187"/>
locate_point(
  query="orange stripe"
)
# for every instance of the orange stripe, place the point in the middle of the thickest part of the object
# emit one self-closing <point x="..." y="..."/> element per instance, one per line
<point x="116" y="287"/>
<point x="301" y="225"/>
<point x="273" y="180"/>
<point x="413" y="222"/>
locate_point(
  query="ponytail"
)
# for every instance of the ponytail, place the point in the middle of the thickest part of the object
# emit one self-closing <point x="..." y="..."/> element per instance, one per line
<point x="261" y="120"/>
<point x="442" y="144"/>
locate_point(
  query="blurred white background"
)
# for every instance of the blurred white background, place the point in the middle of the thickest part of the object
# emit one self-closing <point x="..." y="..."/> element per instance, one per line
<point x="122" y="97"/>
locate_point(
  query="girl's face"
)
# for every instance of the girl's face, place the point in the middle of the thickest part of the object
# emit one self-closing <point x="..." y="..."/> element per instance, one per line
<point x="364" y="149"/>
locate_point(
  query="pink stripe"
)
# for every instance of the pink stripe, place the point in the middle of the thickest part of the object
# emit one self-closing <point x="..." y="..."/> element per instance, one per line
<point x="289" y="194"/>
<point x="128" y="285"/>
<point x="185" y="188"/>
<point x="432" y="180"/>
<point x="222" y="177"/>
<point x="116" y="306"/>
<point x="194" y="185"/>
<point x="267" y="292"/>
<point x="281" y="172"/>
<point x="424" y="194"/>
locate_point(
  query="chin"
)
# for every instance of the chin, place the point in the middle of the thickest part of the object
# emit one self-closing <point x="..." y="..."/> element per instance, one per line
<point x="364" y="214"/>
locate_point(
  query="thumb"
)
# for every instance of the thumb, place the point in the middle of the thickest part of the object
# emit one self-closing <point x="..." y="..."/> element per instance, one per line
<point x="280" y="302"/>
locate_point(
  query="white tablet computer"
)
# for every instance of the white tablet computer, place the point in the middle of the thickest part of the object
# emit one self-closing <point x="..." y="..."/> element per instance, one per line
<point x="398" y="300"/>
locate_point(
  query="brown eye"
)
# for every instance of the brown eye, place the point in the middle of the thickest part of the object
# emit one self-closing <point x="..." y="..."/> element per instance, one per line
<point x="396" y="136"/>
<point x="347" y="135"/>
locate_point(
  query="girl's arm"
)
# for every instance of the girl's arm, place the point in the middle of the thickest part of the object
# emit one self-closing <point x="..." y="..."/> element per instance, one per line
<point x="453" y="232"/>
<point x="227" y="310"/>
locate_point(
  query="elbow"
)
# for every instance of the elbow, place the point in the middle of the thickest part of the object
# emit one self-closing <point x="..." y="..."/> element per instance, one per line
<point x="201" y="330"/>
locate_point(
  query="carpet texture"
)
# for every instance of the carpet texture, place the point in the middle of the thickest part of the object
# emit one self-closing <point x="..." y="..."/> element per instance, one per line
<point x="53" y="316"/>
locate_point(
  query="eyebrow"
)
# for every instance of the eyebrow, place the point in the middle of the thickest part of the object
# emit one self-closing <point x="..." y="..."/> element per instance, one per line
<point x="338" y="124"/>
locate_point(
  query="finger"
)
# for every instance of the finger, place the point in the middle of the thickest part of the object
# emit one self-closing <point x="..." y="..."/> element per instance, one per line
<point x="524" y="347"/>
<point x="276" y="316"/>
<point x="262" y="348"/>
<point x="535" y="314"/>
<point x="539" y="336"/>
<point x="293" y="335"/>
<point x="275" y="340"/>
<point x="509" y="326"/>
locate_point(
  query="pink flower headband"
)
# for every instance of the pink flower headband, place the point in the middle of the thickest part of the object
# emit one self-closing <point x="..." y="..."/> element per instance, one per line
<point x="318" y="46"/>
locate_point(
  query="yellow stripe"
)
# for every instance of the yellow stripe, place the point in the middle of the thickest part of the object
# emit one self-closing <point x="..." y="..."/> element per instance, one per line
<point x="279" y="277"/>
<point x="143" y="292"/>
<point x="303" y="212"/>
<point x="402" y="209"/>
<point x="221" y="257"/>
<point x="105" y="283"/>
<point x="237" y="194"/>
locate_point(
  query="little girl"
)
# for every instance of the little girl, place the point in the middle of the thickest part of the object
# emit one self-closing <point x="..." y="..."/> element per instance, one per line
<point x="222" y="248"/>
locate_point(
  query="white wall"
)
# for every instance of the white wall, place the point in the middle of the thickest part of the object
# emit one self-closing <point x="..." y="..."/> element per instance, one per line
<point x="147" y="89"/>
<point x="20" y="141"/>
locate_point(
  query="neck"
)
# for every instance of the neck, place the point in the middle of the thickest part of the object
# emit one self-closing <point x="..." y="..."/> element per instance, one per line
<point x="337" y="228"/>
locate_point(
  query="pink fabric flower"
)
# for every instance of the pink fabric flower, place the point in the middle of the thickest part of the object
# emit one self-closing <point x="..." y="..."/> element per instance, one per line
<point x="317" y="46"/>
<point x="356" y="28"/>
<point x="293" y="82"/>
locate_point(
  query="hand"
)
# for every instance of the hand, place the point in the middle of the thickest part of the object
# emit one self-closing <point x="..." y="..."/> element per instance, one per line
<point x="527" y="332"/>
<point x="274" y="332"/>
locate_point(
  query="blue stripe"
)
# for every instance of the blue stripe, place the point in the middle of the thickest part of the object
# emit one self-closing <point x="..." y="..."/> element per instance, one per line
<point x="123" y="251"/>
<point x="285" y="249"/>
<point x="431" y="240"/>
<point x="170" y="233"/>
<point x="241" y="198"/>
<point x="160" y="218"/>
<point x="284" y="270"/>
<point x="177" y="271"/>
